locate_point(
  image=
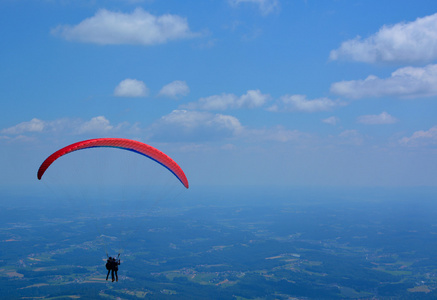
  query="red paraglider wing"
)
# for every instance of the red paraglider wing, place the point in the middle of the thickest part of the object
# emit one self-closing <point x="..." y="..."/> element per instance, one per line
<point x="126" y="144"/>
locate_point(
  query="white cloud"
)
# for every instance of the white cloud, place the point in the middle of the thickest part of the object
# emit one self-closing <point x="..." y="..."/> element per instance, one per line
<point x="252" y="99"/>
<point x="139" y="27"/>
<point x="421" y="138"/>
<point x="96" y="124"/>
<point x="201" y="126"/>
<point x="40" y="126"/>
<point x="382" y="118"/>
<point x="175" y="89"/>
<point x="402" y="43"/>
<point x="408" y="82"/>
<point x="265" y="6"/>
<point x="64" y="126"/>
<point x="194" y="119"/>
<point x="183" y="125"/>
<point x="301" y="103"/>
<point x="331" y="120"/>
<point x="34" y="125"/>
<point x="131" y="88"/>
<point x="215" y="102"/>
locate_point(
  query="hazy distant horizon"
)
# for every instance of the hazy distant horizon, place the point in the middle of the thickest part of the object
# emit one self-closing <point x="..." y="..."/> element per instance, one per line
<point x="315" y="244"/>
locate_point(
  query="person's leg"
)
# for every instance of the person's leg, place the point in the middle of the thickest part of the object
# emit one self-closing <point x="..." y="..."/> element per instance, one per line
<point x="108" y="274"/>
<point x="112" y="275"/>
<point x="116" y="275"/>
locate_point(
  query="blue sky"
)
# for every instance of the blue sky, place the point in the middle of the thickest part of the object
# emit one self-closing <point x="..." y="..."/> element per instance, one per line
<point x="238" y="92"/>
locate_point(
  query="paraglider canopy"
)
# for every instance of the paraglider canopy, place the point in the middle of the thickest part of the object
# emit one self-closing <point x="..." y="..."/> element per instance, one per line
<point x="120" y="143"/>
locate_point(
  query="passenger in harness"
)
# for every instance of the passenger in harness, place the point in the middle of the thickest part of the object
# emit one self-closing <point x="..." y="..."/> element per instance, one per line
<point x="112" y="265"/>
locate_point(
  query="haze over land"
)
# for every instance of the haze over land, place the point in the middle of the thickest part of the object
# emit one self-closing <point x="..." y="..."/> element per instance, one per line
<point x="233" y="244"/>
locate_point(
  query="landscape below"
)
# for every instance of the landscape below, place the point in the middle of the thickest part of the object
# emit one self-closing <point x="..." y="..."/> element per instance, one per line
<point x="224" y="243"/>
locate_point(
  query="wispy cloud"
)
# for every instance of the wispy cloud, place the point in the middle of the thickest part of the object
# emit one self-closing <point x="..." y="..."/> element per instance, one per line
<point x="183" y="125"/>
<point x="421" y="138"/>
<point x="408" y="82"/>
<point x="301" y="103"/>
<point x="175" y="89"/>
<point x="252" y="99"/>
<point x="400" y="43"/>
<point x="265" y="6"/>
<point x="276" y="134"/>
<point x="351" y="137"/>
<point x="382" y="118"/>
<point x="131" y="88"/>
<point x="331" y="120"/>
<point x="63" y="126"/>
<point x="34" y="125"/>
<point x="139" y="27"/>
<point x="204" y="127"/>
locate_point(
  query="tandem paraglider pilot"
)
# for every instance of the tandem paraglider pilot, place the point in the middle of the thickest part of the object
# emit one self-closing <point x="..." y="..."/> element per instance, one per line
<point x="112" y="266"/>
<point x="119" y="143"/>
